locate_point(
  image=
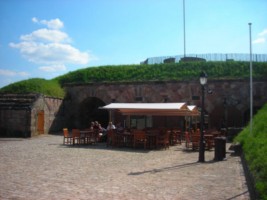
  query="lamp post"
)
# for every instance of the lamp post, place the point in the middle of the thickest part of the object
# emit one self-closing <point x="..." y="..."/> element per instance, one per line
<point x="203" y="81"/>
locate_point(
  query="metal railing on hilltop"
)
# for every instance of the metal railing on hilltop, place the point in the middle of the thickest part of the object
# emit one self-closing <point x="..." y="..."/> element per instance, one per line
<point x="211" y="57"/>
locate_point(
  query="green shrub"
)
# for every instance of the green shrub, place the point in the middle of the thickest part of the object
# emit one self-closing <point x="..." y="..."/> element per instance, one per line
<point x="255" y="149"/>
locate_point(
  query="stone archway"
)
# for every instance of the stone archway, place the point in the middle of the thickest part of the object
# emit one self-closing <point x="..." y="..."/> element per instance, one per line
<point x="89" y="111"/>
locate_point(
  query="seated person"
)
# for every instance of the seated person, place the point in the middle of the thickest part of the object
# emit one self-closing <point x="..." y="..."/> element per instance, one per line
<point x="110" y="126"/>
<point x="119" y="127"/>
<point x="92" y="125"/>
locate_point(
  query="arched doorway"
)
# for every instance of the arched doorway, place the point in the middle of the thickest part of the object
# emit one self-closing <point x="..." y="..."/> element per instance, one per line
<point x="89" y="111"/>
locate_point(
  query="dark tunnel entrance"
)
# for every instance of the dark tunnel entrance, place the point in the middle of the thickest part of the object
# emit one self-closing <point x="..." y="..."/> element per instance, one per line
<point x="89" y="111"/>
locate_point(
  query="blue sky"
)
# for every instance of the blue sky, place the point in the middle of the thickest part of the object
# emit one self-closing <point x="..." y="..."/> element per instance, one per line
<point x="48" y="38"/>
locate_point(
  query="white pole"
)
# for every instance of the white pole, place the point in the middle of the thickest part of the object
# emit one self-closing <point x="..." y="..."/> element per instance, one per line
<point x="184" y="26"/>
<point x="251" y="83"/>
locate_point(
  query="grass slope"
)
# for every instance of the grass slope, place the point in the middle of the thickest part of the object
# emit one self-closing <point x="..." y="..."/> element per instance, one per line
<point x="35" y="85"/>
<point x="171" y="71"/>
<point x="255" y="149"/>
<point x="134" y="73"/>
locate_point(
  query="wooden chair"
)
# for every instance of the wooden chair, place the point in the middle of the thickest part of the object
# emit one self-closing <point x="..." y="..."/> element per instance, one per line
<point x="89" y="136"/>
<point x="111" y="138"/>
<point x="120" y="140"/>
<point x="96" y="136"/>
<point x="175" y="137"/>
<point x="197" y="131"/>
<point x="209" y="139"/>
<point x="127" y="138"/>
<point x="152" y="138"/>
<point x="67" y="138"/>
<point x="139" y="138"/>
<point x="195" y="138"/>
<point x="76" y="136"/>
<point x="188" y="143"/>
<point x="179" y="136"/>
<point x="164" y="140"/>
<point x="116" y="139"/>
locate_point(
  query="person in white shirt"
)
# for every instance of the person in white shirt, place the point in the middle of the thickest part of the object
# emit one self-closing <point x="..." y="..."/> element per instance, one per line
<point x="110" y="126"/>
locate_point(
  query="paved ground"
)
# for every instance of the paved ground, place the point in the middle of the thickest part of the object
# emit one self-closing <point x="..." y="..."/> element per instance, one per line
<point x="42" y="168"/>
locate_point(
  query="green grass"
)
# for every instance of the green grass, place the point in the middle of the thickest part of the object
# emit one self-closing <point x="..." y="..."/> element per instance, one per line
<point x="35" y="85"/>
<point x="162" y="72"/>
<point x="255" y="150"/>
<point x="136" y="73"/>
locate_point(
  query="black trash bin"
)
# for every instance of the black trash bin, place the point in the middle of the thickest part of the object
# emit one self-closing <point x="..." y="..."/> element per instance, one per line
<point x="220" y="148"/>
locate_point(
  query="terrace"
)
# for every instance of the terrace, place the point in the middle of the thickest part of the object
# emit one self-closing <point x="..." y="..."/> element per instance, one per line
<point x="43" y="168"/>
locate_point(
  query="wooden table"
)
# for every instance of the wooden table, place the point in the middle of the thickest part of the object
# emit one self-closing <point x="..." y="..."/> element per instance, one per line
<point x="125" y="139"/>
<point x="89" y="136"/>
<point x="152" y="140"/>
<point x="209" y="138"/>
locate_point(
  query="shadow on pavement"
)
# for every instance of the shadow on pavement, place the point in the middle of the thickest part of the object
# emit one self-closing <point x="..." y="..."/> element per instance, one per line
<point x="153" y="171"/>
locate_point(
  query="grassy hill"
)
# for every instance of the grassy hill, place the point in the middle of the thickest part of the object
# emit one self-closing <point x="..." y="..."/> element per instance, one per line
<point x="255" y="149"/>
<point x="172" y="71"/>
<point x="156" y="72"/>
<point x="35" y="85"/>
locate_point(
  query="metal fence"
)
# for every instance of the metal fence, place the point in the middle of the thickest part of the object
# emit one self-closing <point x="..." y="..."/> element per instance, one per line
<point x="211" y="57"/>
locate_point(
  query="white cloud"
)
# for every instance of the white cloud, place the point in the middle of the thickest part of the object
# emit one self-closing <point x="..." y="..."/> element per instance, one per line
<point x="46" y="35"/>
<point x="263" y="33"/>
<point x="52" y="24"/>
<point x="5" y="72"/>
<point x="35" y="20"/>
<point x="259" y="40"/>
<point x="53" y="68"/>
<point x="50" y="47"/>
<point x="52" y="53"/>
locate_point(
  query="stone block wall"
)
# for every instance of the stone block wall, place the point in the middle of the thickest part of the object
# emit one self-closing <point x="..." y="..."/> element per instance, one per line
<point x="15" y="123"/>
<point x="54" y="114"/>
<point x="53" y="119"/>
<point x="228" y="102"/>
<point x="19" y="115"/>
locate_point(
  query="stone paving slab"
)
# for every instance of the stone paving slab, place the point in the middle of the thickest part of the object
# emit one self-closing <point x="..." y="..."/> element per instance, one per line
<point x="42" y="168"/>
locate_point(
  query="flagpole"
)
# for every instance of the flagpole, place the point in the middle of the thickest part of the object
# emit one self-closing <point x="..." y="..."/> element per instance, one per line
<point x="184" y="27"/>
<point x="251" y="82"/>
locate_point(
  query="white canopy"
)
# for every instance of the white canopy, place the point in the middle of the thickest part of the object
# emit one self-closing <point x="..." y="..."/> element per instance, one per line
<point x="154" y="109"/>
<point x="194" y="110"/>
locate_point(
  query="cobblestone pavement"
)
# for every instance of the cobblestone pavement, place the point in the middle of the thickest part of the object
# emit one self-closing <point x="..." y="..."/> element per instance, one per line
<point x="42" y="168"/>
